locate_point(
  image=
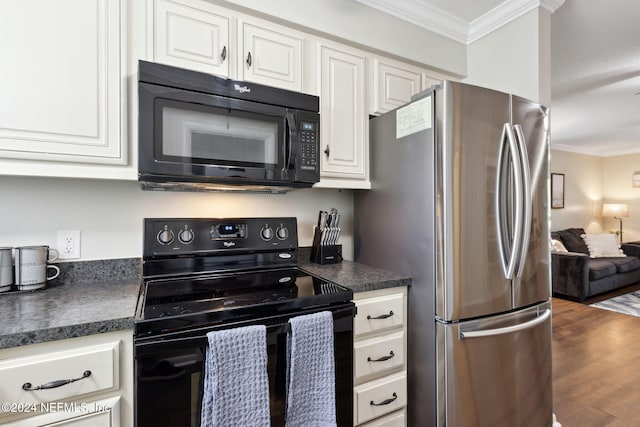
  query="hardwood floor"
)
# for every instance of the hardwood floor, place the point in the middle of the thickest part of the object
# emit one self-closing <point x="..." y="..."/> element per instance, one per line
<point x="596" y="366"/>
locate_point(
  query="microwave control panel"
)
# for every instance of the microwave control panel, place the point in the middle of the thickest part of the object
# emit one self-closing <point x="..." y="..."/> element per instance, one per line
<point x="308" y="145"/>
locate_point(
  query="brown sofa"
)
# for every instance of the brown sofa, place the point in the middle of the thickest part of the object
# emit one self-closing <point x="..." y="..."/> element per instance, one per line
<point x="576" y="276"/>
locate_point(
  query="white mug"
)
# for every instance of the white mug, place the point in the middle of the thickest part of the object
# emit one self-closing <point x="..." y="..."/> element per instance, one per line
<point x="31" y="267"/>
<point x="6" y="269"/>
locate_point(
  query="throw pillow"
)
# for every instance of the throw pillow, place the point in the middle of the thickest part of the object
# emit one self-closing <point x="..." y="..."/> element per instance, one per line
<point x="556" y="245"/>
<point x="572" y="240"/>
<point x="603" y="245"/>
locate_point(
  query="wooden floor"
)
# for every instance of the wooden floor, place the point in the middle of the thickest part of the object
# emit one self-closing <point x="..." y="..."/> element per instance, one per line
<point x="596" y="366"/>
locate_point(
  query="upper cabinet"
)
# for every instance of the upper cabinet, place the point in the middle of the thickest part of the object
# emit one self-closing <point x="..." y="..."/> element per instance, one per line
<point x="197" y="35"/>
<point x="343" y="126"/>
<point x="394" y="84"/>
<point x="190" y="37"/>
<point x="62" y="83"/>
<point x="270" y="55"/>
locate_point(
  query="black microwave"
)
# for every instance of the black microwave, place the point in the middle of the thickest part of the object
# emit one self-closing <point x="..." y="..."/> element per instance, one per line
<point x="197" y="131"/>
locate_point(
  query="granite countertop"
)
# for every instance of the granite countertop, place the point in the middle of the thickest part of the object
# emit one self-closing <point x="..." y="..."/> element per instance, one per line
<point x="87" y="298"/>
<point x="355" y="276"/>
<point x="91" y="297"/>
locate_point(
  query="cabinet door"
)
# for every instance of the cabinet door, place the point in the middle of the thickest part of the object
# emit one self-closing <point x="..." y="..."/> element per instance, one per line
<point x="270" y="57"/>
<point x="193" y="38"/>
<point x="394" y="84"/>
<point x="62" y="81"/>
<point x="342" y="108"/>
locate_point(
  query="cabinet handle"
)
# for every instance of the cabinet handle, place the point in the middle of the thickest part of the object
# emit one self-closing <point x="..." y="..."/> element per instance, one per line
<point x="56" y="383"/>
<point x="384" y="402"/>
<point x="224" y="53"/>
<point x="249" y="59"/>
<point x="382" y="316"/>
<point x="381" y="359"/>
<point x="326" y="151"/>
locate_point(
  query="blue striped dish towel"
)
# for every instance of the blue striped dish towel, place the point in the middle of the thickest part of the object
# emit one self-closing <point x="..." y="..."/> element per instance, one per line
<point x="311" y="390"/>
<point x="236" y="386"/>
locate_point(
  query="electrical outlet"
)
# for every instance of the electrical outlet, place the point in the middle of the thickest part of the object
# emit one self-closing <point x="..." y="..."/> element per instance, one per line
<point x="69" y="244"/>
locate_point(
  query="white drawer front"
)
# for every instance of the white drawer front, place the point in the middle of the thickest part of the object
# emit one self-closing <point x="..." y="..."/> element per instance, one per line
<point x="397" y="419"/>
<point x="101" y="360"/>
<point x="380" y="313"/>
<point x="369" y="352"/>
<point x="380" y="397"/>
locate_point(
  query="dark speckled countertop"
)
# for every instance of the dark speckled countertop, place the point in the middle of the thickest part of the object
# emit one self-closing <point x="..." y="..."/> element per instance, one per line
<point x="92" y="297"/>
<point x="87" y="298"/>
<point x="355" y="276"/>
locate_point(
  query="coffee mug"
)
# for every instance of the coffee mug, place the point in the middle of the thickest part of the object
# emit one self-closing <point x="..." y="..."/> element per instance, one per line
<point x="31" y="267"/>
<point x="6" y="269"/>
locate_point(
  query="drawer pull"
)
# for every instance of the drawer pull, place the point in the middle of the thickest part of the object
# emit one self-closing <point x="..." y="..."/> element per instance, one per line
<point x="382" y="316"/>
<point x="381" y="359"/>
<point x="56" y="383"/>
<point x="384" y="402"/>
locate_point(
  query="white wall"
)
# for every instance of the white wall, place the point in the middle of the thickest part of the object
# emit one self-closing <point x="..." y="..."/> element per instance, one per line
<point x="591" y="181"/>
<point x="583" y="193"/>
<point x="515" y="58"/>
<point x="617" y="171"/>
<point x="109" y="213"/>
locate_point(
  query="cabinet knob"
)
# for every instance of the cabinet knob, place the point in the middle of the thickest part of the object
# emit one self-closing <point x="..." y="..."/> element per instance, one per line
<point x="223" y="55"/>
<point x="249" y="59"/>
<point x="326" y="151"/>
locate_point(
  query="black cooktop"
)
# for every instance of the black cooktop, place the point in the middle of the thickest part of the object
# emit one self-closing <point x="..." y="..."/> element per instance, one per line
<point x="178" y="304"/>
<point x="199" y="273"/>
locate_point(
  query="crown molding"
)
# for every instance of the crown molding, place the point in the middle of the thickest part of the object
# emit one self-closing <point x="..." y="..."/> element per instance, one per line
<point x="423" y="15"/>
<point x="433" y="19"/>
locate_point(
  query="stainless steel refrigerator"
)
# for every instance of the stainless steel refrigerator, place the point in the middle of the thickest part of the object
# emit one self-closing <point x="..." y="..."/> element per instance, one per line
<point x="459" y="202"/>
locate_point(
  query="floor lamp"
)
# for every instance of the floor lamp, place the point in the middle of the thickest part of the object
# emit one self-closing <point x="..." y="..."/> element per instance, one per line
<point x="616" y="211"/>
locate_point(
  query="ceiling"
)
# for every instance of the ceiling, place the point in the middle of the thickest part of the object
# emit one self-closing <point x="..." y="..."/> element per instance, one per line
<point x="595" y="61"/>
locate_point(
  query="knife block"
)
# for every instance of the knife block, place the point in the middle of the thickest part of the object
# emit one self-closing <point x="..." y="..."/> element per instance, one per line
<point x="324" y="254"/>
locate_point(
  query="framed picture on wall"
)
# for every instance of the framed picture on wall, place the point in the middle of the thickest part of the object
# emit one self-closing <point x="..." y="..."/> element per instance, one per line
<point x="557" y="190"/>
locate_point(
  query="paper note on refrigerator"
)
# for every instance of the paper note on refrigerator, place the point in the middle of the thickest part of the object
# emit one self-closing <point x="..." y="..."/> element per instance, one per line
<point x="413" y="117"/>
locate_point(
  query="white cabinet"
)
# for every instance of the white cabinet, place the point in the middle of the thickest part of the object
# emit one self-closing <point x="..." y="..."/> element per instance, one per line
<point x="191" y="37"/>
<point x="344" y="125"/>
<point x="270" y="55"/>
<point x="394" y="84"/>
<point x="100" y="393"/>
<point x="380" y="366"/>
<point x="198" y="35"/>
<point x="62" y="82"/>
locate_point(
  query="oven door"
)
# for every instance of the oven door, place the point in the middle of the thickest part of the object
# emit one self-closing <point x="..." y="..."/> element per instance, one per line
<point x="169" y="372"/>
<point x="199" y="136"/>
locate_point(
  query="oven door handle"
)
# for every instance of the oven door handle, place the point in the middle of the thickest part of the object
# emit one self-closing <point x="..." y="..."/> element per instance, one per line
<point x="148" y="345"/>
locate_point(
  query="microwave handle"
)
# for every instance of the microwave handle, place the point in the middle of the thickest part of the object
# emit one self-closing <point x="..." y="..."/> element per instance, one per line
<point x="290" y="147"/>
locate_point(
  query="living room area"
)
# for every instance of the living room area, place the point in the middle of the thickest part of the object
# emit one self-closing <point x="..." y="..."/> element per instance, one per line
<point x="596" y="349"/>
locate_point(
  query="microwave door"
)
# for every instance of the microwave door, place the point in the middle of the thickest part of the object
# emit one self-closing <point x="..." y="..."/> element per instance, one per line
<point x="200" y="136"/>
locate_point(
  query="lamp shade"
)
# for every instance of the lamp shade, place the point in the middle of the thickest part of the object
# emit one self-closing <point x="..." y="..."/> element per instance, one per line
<point x="615" y="210"/>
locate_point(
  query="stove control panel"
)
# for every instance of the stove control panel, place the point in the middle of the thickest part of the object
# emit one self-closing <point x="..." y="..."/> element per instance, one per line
<point x="185" y="236"/>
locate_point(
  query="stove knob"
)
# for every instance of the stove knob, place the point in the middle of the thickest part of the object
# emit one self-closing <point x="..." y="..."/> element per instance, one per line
<point x="282" y="232"/>
<point x="266" y="233"/>
<point x="186" y="236"/>
<point x="165" y="236"/>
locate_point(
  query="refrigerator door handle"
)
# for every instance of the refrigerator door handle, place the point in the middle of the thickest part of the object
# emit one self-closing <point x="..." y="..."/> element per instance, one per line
<point x="527" y="198"/>
<point x="508" y="262"/>
<point x="506" y="330"/>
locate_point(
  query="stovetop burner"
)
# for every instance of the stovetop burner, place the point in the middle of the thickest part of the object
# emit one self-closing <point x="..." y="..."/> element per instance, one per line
<point x="216" y="278"/>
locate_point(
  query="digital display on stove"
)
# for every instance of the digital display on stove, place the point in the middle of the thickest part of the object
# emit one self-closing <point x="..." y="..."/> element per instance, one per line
<point x="228" y="231"/>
